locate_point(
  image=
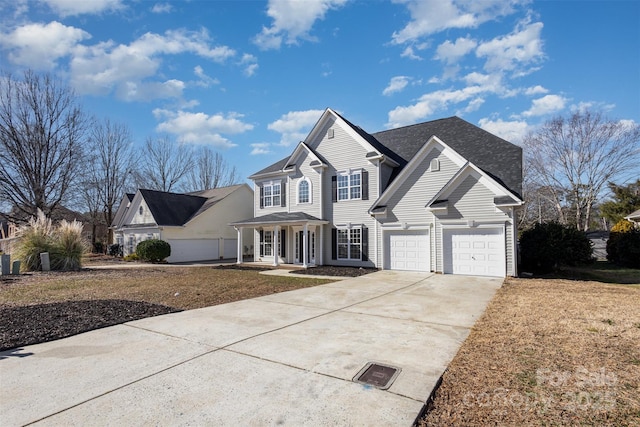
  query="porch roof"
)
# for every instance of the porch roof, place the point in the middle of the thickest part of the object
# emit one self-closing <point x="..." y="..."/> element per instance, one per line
<point x="289" y="218"/>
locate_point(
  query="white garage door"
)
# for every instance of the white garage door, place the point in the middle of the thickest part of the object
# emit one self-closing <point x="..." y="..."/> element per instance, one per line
<point x="408" y="250"/>
<point x="187" y="250"/>
<point x="478" y="252"/>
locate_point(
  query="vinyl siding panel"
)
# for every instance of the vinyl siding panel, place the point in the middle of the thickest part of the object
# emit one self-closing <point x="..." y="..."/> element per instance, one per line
<point x="471" y="200"/>
<point x="342" y="153"/>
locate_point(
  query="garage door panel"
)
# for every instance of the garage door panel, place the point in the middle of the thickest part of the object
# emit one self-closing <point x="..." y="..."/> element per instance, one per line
<point x="408" y="250"/>
<point x="474" y="252"/>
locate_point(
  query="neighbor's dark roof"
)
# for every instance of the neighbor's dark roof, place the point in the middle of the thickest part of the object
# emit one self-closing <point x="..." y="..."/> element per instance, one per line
<point x="501" y="159"/>
<point x="172" y="208"/>
<point x="279" y="217"/>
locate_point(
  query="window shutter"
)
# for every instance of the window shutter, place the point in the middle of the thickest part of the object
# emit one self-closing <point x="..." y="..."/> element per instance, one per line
<point x="365" y="243"/>
<point x="365" y="185"/>
<point x="334" y="243"/>
<point x="261" y="241"/>
<point x="261" y="200"/>
<point x="334" y="189"/>
<point x="283" y="248"/>
<point x="283" y="193"/>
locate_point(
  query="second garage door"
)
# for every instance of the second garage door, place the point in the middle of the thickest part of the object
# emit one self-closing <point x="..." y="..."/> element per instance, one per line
<point x="408" y="250"/>
<point x="478" y="252"/>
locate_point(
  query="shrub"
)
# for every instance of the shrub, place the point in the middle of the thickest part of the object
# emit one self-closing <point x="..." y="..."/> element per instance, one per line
<point x="623" y="226"/>
<point x="115" y="250"/>
<point x="131" y="257"/>
<point x="64" y="244"/>
<point x="33" y="239"/>
<point x="550" y="245"/>
<point x="69" y="246"/>
<point x="623" y="248"/>
<point x="153" y="250"/>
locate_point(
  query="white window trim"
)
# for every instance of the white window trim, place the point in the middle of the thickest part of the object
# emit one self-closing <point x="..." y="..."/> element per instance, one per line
<point x="349" y="244"/>
<point x="308" y="181"/>
<point x="348" y="173"/>
<point x="271" y="185"/>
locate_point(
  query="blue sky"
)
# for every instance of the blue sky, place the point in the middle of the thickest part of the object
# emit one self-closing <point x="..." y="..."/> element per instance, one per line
<point x="251" y="78"/>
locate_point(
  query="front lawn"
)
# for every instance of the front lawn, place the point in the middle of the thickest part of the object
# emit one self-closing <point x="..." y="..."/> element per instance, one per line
<point x="547" y="352"/>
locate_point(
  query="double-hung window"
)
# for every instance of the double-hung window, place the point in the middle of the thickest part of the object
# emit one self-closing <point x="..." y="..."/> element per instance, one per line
<point x="271" y="194"/>
<point x="349" y="243"/>
<point x="303" y="191"/>
<point x="350" y="185"/>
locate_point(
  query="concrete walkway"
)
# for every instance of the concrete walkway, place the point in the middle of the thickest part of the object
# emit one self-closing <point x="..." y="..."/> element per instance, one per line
<point x="282" y="359"/>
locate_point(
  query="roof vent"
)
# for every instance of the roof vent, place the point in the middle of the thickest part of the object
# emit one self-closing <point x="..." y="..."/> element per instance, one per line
<point x="435" y="165"/>
<point x="330" y="133"/>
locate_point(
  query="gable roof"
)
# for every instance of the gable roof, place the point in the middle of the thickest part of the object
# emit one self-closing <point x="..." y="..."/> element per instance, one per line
<point x="176" y="209"/>
<point x="497" y="157"/>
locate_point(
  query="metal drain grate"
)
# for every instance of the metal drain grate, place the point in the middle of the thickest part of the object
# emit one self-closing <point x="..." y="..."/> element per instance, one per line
<point x="377" y="375"/>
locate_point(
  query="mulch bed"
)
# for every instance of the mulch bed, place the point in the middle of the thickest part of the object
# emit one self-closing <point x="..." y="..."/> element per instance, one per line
<point x="22" y="326"/>
<point x="332" y="270"/>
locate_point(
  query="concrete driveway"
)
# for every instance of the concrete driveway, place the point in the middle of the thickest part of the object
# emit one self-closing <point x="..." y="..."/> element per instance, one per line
<point x="282" y="359"/>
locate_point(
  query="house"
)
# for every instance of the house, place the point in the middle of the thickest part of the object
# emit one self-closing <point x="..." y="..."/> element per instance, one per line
<point x="194" y="224"/>
<point x="437" y="196"/>
<point x="634" y="217"/>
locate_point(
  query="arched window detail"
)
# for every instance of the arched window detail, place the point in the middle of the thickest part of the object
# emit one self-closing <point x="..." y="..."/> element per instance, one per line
<point x="304" y="191"/>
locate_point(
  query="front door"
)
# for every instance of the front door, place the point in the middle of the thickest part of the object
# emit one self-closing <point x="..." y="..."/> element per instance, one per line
<point x="311" y="246"/>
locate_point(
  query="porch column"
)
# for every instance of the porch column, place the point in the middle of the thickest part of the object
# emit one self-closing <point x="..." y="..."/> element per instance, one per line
<point x="239" y="246"/>
<point x="320" y="237"/>
<point x="274" y="249"/>
<point x="305" y="250"/>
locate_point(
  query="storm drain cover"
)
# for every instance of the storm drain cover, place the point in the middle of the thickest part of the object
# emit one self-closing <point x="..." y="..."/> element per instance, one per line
<point x="377" y="375"/>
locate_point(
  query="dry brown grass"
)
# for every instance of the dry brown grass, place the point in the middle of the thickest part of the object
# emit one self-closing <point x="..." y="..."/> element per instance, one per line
<point x="548" y="352"/>
<point x="180" y="287"/>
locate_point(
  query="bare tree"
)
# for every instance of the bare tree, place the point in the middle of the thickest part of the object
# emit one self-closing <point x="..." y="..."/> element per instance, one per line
<point x="164" y="164"/>
<point x="573" y="159"/>
<point x="42" y="130"/>
<point x="111" y="160"/>
<point x="210" y="170"/>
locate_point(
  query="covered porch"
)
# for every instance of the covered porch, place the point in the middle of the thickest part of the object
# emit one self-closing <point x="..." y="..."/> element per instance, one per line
<point x="284" y="238"/>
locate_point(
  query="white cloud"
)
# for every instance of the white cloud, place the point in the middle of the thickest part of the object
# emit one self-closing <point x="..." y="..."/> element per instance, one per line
<point x="100" y="68"/>
<point x="295" y="125"/>
<point x="520" y="48"/>
<point x="292" y="20"/>
<point x="474" y="105"/>
<point x="433" y="16"/>
<point x="260" y="148"/>
<point x="161" y="8"/>
<point x="452" y="52"/>
<point x="204" y="79"/>
<point x="250" y="64"/>
<point x="409" y="53"/>
<point x="535" y="90"/>
<point x="513" y="131"/>
<point x="430" y="103"/>
<point x="548" y="104"/>
<point x="39" y="46"/>
<point x="79" y="7"/>
<point x="396" y="84"/>
<point x="146" y="91"/>
<point x="201" y="128"/>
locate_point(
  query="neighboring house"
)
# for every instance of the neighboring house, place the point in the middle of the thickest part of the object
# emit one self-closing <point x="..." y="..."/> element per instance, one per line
<point x="194" y="224"/>
<point x="437" y="196"/>
<point x="634" y="218"/>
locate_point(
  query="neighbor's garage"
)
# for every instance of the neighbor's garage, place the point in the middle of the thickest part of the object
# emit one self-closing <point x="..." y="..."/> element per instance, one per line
<point x="408" y="250"/>
<point x="188" y="250"/>
<point x="478" y="251"/>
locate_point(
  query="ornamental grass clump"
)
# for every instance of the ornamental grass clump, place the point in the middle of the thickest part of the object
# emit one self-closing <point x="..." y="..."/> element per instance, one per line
<point x="69" y="246"/>
<point x="64" y="244"/>
<point x="33" y="239"/>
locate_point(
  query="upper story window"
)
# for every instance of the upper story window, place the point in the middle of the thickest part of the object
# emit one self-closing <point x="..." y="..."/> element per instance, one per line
<point x="304" y="191"/>
<point x="272" y="194"/>
<point x="349" y="186"/>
